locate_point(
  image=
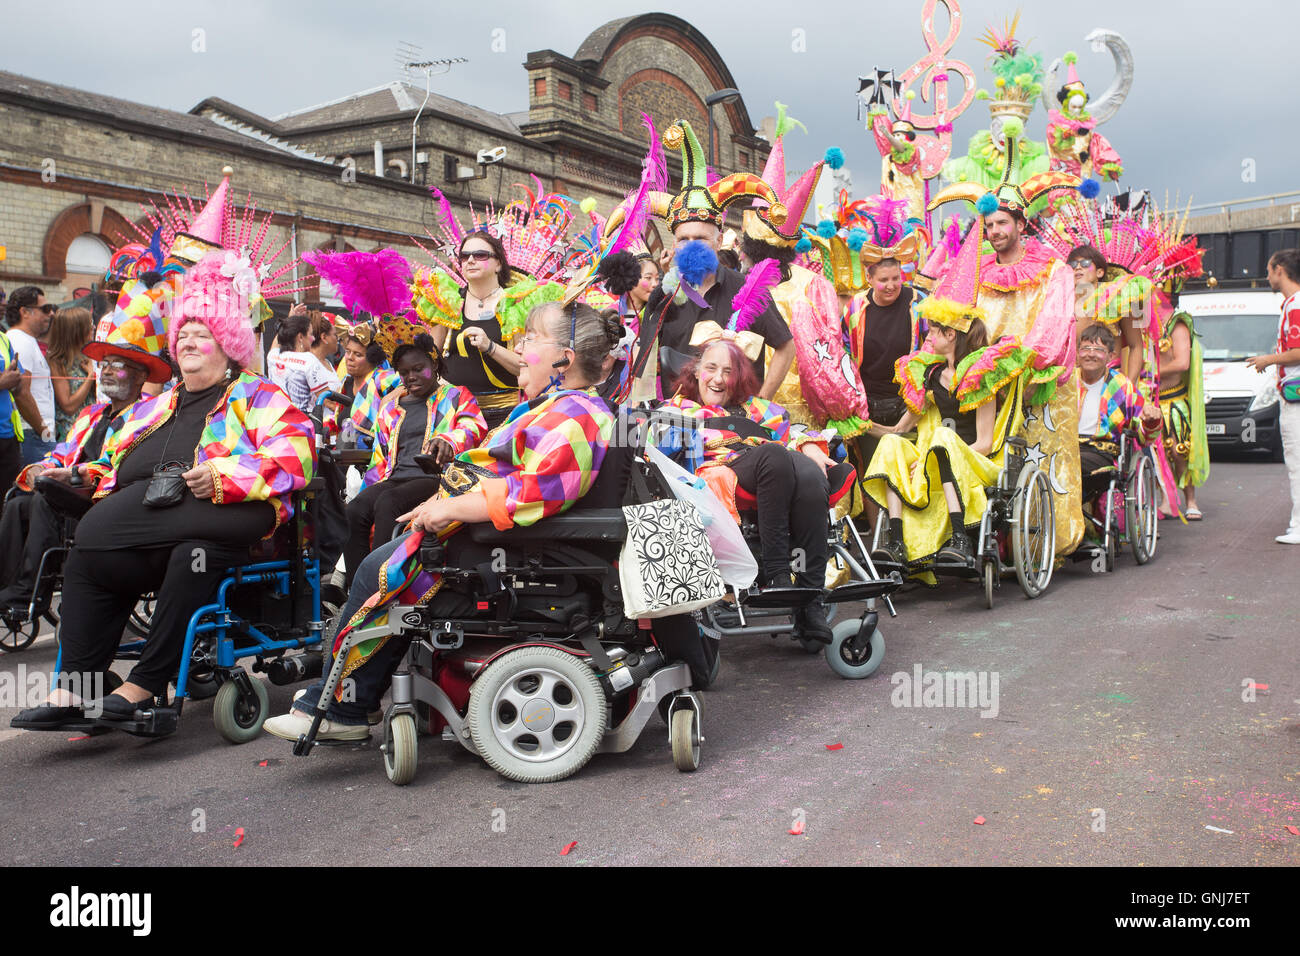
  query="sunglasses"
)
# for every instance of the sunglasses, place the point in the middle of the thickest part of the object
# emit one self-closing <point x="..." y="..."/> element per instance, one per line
<point x="1095" y="349"/>
<point x="1081" y="263"/>
<point x="478" y="255"/>
<point x="47" y="308"/>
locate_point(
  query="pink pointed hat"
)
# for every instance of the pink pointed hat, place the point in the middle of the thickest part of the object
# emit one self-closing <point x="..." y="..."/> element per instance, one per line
<point x="205" y="233"/>
<point x="1072" y="75"/>
<point x="955" y="300"/>
<point x="796" y="199"/>
<point x="905" y="114"/>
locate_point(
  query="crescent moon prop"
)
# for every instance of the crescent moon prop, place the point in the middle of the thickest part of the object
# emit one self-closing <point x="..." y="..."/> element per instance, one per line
<point x="1047" y="419"/>
<point x="1057" y="487"/>
<point x="847" y="369"/>
<point x="1103" y="107"/>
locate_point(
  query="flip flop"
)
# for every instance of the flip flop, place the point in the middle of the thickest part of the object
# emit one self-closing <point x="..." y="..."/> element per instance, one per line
<point x="1192" y="514"/>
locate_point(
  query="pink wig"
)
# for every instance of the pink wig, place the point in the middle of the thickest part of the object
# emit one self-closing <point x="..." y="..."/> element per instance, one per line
<point x="220" y="302"/>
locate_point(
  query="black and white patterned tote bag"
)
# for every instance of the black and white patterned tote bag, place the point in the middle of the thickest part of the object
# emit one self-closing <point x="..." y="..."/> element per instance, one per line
<point x="667" y="566"/>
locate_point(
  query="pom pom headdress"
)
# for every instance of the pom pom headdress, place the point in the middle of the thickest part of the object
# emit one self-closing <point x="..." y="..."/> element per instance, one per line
<point x="1018" y="74"/>
<point x="863" y="232"/>
<point x="955" y="300"/>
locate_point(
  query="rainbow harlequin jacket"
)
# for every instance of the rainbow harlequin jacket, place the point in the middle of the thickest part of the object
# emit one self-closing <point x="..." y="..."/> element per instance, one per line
<point x="257" y="445"/>
<point x="68" y="452"/>
<point x="453" y="415"/>
<point x="378" y="385"/>
<point x="718" y="445"/>
<point x="1121" y="403"/>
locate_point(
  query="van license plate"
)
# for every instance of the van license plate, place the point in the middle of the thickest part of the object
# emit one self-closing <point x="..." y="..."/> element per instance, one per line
<point x="1216" y="429"/>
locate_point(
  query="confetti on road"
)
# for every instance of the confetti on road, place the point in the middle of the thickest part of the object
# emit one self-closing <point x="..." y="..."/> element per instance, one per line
<point x="262" y="763"/>
<point x="834" y="746"/>
<point x="1254" y="686"/>
<point x="796" y="830"/>
<point x="979" y="821"/>
<point x="568" y="848"/>
<point x="82" y="737"/>
<point x="1292" y="830"/>
<point x="1217" y="829"/>
<point x="239" y="835"/>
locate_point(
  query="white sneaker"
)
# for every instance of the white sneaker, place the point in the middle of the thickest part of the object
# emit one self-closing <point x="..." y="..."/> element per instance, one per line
<point x="1291" y="537"/>
<point x="293" y="725"/>
<point x="374" y="718"/>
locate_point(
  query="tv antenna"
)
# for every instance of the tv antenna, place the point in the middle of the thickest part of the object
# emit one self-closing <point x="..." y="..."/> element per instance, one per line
<point x="408" y="58"/>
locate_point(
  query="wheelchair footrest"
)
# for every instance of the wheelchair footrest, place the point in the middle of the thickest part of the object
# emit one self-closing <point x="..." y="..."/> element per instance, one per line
<point x="782" y="597"/>
<point x="865" y="590"/>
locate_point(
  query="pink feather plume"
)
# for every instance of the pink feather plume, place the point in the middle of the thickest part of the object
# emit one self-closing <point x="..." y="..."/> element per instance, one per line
<point x="375" y="282"/>
<point x="654" y="176"/>
<point x="448" y="220"/>
<point x="754" y="295"/>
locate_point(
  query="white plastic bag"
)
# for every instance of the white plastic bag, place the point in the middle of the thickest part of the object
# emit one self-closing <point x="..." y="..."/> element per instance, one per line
<point x="735" y="560"/>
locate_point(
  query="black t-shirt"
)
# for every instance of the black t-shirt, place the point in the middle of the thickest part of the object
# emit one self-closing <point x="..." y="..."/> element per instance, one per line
<point x="675" y="335"/>
<point x="887" y="337"/>
<point x="963" y="423"/>
<point x="410" y="438"/>
<point x="471" y="369"/>
<point x="121" y="521"/>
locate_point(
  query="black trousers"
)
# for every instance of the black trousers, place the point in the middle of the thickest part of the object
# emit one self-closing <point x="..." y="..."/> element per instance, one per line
<point x="378" y="506"/>
<point x="331" y="520"/>
<point x="11" y="462"/>
<point x="100" y="588"/>
<point x="793" y="504"/>
<point x="1092" y="458"/>
<point x="13" y="532"/>
<point x="19" y="567"/>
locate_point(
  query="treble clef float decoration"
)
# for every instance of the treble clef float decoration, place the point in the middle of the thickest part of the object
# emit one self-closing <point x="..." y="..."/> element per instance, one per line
<point x="911" y="159"/>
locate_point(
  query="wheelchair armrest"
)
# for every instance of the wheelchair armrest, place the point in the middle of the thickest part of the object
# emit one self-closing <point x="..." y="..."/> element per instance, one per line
<point x="71" y="501"/>
<point x="595" y="524"/>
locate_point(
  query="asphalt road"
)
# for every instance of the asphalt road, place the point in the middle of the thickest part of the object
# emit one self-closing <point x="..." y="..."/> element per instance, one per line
<point x="1121" y="736"/>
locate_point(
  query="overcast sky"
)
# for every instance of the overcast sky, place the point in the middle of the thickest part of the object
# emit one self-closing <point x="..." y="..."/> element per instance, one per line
<point x="1215" y="83"/>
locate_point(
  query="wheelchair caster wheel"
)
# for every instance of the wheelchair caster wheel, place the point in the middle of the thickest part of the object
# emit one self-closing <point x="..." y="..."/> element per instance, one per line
<point x="400" y="749"/>
<point x="684" y="733"/>
<point x="989" y="574"/>
<point x="239" y="716"/>
<point x="853" y="654"/>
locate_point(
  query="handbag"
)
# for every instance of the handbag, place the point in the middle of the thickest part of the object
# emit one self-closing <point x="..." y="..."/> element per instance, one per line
<point x="666" y="566"/>
<point x="166" y="486"/>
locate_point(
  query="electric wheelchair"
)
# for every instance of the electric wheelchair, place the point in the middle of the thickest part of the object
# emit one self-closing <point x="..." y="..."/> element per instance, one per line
<point x="545" y="670"/>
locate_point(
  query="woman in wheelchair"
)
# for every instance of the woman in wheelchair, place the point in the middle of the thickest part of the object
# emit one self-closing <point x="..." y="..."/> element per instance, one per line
<point x="950" y="388"/>
<point x="790" y="475"/>
<point x="189" y="481"/>
<point x="537" y="463"/>
<point x="420" y="418"/>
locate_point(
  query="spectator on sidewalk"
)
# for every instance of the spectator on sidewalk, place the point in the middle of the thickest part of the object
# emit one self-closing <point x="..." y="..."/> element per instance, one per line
<point x="1284" y="277"/>
<point x="29" y="315"/>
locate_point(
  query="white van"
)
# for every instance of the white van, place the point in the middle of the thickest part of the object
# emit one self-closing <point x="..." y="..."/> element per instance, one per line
<point x="1238" y="400"/>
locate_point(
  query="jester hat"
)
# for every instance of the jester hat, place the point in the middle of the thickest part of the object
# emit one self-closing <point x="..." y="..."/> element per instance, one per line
<point x="955" y="300"/>
<point x="700" y="201"/>
<point x="204" y="234"/>
<point x="796" y="199"/>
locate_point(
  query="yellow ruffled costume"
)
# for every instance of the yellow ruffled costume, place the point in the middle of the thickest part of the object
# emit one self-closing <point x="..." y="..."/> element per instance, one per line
<point x="977" y="380"/>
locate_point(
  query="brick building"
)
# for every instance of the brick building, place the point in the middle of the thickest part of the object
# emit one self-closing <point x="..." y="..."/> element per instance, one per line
<point x="75" y="166"/>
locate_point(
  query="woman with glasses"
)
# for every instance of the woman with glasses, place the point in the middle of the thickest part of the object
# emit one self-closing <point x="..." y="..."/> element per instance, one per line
<point x="477" y="322"/>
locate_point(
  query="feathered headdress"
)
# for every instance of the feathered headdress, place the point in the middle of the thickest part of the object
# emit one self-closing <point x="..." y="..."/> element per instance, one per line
<point x="375" y="282"/>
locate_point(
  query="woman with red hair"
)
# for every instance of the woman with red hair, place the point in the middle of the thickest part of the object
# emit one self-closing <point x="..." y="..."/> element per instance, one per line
<point x="790" y="475"/>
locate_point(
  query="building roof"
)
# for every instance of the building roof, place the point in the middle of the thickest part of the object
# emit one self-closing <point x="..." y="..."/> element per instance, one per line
<point x="383" y="101"/>
<point x="14" y="86"/>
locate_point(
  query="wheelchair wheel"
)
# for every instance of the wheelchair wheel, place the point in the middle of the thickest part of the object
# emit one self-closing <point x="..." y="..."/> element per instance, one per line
<point x="537" y="714"/>
<point x="400" y="749"/>
<point x="1141" y="518"/>
<point x="16" y="634"/>
<point x="684" y="735"/>
<point x="238" y="716"/>
<point x="989" y="574"/>
<point x="852" y="653"/>
<point x="141" y="616"/>
<point x="1033" y="532"/>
